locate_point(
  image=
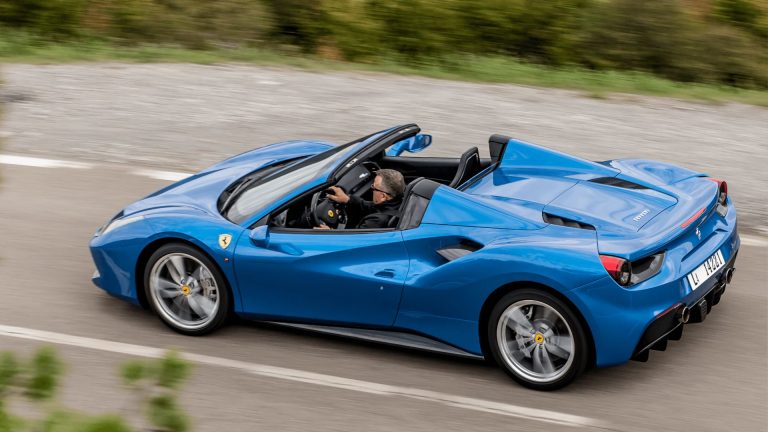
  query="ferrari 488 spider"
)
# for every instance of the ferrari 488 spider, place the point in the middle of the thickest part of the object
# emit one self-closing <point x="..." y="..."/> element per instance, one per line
<point x="544" y="262"/>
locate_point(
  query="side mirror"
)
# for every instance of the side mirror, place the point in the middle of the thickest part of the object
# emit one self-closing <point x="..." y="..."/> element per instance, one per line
<point x="260" y="236"/>
<point x="413" y="144"/>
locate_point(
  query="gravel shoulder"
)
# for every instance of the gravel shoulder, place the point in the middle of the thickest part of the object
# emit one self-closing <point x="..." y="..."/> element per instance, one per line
<point x="184" y="117"/>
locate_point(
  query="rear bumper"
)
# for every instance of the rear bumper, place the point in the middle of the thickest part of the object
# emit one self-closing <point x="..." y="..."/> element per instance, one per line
<point x="670" y="324"/>
<point x="627" y="321"/>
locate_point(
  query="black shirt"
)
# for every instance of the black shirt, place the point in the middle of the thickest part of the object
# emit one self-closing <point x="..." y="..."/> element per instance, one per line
<point x="373" y="215"/>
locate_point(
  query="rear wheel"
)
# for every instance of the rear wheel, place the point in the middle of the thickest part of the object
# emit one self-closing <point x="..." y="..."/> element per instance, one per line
<point x="186" y="290"/>
<point x="537" y="339"/>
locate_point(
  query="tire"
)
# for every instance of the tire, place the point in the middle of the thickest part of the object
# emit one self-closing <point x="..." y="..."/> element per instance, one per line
<point x="537" y="339"/>
<point x="186" y="290"/>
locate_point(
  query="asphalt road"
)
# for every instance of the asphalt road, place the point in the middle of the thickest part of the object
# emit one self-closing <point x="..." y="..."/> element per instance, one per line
<point x="714" y="379"/>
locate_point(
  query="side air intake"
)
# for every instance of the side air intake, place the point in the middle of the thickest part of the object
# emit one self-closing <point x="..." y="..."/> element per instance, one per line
<point x="617" y="182"/>
<point x="456" y="251"/>
<point x="557" y="220"/>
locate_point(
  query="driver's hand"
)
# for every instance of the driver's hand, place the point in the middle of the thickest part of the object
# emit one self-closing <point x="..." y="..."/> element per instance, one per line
<point x="322" y="227"/>
<point x="337" y="195"/>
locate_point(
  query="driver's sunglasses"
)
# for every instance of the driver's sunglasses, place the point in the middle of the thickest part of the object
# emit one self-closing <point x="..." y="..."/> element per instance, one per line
<point x="374" y="188"/>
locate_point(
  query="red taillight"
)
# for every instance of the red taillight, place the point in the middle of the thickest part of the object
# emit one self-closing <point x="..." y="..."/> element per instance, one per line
<point x="722" y="193"/>
<point x="618" y="268"/>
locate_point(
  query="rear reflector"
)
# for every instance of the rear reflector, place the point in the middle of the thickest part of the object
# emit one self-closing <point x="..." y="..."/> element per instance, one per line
<point x="692" y="219"/>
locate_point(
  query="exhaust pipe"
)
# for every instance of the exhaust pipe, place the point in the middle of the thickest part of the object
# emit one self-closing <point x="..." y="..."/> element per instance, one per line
<point x="729" y="274"/>
<point x="683" y="314"/>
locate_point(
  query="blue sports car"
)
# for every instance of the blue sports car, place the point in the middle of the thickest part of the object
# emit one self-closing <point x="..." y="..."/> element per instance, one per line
<point x="544" y="262"/>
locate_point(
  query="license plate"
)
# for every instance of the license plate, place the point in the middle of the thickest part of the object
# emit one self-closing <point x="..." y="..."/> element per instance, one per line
<point x="706" y="270"/>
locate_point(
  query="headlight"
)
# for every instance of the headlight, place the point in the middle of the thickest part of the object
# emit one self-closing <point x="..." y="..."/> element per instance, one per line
<point x="117" y="223"/>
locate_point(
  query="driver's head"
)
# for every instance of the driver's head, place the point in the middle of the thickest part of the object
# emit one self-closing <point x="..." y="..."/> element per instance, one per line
<point x="388" y="184"/>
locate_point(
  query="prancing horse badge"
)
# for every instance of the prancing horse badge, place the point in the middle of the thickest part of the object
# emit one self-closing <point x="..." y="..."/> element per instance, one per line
<point x="225" y="240"/>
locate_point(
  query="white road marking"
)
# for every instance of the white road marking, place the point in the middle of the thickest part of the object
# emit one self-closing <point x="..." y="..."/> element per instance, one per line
<point x="161" y="175"/>
<point x="552" y="417"/>
<point x="41" y="163"/>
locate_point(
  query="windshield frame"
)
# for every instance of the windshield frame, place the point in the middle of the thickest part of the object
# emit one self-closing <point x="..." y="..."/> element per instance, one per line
<point x="325" y="163"/>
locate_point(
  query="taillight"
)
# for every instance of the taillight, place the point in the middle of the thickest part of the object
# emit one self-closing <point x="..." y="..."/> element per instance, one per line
<point x="619" y="269"/>
<point x="722" y="191"/>
<point x="627" y="273"/>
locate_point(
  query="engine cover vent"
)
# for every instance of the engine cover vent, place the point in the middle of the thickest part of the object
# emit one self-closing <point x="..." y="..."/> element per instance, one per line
<point x="613" y="181"/>
<point x="557" y="220"/>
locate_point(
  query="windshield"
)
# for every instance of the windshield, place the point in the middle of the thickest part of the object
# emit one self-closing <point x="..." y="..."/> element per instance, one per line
<point x="265" y="191"/>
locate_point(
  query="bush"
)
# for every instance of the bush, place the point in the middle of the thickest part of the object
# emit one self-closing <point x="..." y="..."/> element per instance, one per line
<point x="649" y="35"/>
<point x="730" y="56"/>
<point x="54" y="19"/>
<point x="743" y="14"/>
<point x="710" y="41"/>
<point x="158" y="381"/>
<point x="541" y="31"/>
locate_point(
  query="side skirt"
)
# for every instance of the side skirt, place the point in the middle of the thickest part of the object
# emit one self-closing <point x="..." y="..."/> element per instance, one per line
<point x="398" y="338"/>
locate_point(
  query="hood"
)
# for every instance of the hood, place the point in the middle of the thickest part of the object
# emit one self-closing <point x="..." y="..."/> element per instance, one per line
<point x="200" y="192"/>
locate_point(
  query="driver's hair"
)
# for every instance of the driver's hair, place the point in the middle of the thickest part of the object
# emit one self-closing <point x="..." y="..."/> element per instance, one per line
<point x="392" y="182"/>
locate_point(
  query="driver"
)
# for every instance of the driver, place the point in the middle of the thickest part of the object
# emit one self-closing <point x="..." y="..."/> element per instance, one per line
<point x="388" y="187"/>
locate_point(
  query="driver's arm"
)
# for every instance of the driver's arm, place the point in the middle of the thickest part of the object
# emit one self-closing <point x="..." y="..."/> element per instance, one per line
<point x="338" y="195"/>
<point x="355" y="205"/>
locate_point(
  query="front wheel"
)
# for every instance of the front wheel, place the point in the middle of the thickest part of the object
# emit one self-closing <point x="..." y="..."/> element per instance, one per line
<point x="537" y="339"/>
<point x="186" y="290"/>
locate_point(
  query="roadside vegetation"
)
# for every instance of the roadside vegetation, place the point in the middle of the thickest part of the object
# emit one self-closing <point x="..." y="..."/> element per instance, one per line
<point x="35" y="382"/>
<point x="714" y="50"/>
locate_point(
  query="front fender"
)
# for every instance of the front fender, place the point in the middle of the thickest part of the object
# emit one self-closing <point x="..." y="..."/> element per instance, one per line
<point x="203" y="232"/>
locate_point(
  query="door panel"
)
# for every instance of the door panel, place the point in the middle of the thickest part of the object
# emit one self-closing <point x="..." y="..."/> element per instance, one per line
<point x="342" y="277"/>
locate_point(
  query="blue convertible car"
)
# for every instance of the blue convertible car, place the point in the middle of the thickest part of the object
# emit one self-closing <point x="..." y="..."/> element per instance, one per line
<point x="542" y="261"/>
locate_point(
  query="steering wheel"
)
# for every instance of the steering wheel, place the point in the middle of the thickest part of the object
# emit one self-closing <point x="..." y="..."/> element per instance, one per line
<point x="324" y="211"/>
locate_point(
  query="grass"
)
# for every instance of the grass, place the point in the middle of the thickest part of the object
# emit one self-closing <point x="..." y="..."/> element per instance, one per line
<point x="19" y="49"/>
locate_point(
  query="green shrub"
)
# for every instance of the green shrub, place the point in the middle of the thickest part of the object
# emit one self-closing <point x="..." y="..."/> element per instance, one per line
<point x="708" y="41"/>
<point x="165" y="413"/>
<point x="744" y="14"/>
<point x="157" y="383"/>
<point x="9" y="370"/>
<point x="52" y="19"/>
<point x="730" y="56"/>
<point x="649" y="35"/>
<point x="44" y="373"/>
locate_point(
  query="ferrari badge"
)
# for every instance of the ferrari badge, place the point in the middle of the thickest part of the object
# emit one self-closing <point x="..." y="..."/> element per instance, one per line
<point x="225" y="240"/>
<point x="330" y="213"/>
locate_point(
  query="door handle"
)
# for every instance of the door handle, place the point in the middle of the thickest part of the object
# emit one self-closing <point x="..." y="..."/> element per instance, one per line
<point x="388" y="273"/>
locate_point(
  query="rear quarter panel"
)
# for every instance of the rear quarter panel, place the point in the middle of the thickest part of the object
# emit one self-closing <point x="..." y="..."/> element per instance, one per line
<point x="445" y="299"/>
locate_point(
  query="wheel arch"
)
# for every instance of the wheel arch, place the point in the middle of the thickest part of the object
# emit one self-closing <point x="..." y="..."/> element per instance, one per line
<point x="498" y="293"/>
<point x="147" y="252"/>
